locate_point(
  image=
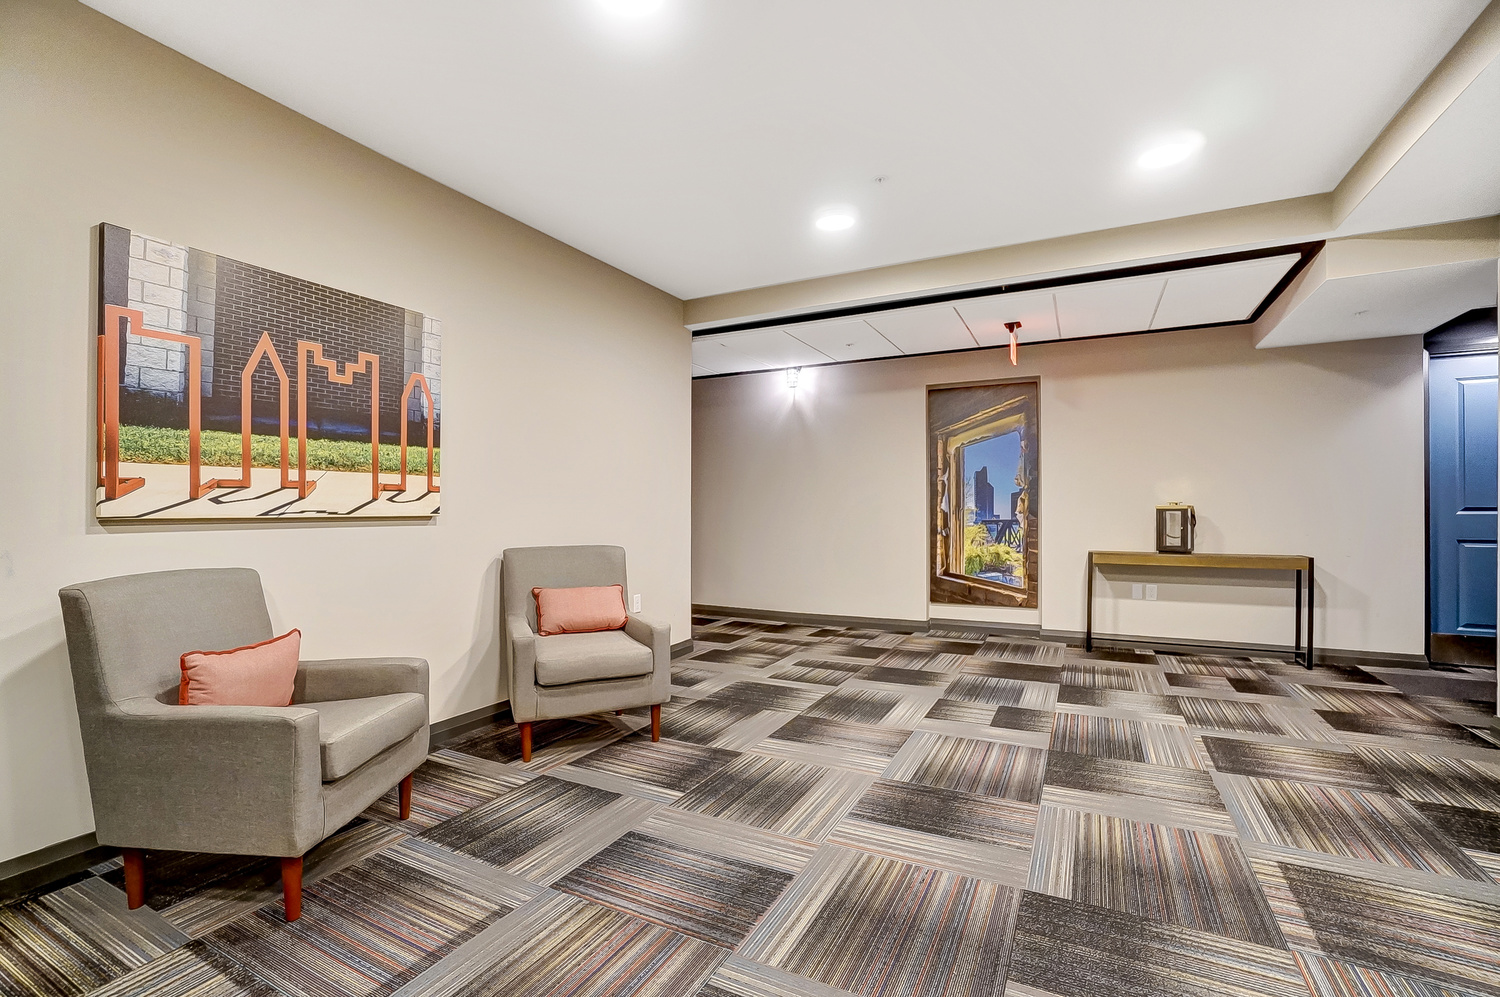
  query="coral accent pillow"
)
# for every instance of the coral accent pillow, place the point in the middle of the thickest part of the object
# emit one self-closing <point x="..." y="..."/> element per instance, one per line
<point x="580" y="610"/>
<point x="259" y="675"/>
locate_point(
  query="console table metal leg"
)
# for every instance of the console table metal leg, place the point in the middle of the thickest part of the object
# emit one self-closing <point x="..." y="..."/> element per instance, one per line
<point x="1088" y="616"/>
<point x="1297" y="630"/>
<point x="1311" y="589"/>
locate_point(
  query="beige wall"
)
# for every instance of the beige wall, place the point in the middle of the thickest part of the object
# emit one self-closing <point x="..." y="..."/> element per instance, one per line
<point x="566" y="396"/>
<point x="816" y="502"/>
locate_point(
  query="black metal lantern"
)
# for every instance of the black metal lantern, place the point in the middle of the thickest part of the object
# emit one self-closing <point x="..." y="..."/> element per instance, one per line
<point x="1174" y="528"/>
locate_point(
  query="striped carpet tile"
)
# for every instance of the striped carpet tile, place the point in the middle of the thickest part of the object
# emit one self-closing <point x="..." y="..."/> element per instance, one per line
<point x="1203" y="664"/>
<point x="1469" y="829"/>
<point x="1130" y="740"/>
<point x="689" y="890"/>
<point x="1020" y="718"/>
<point x="1023" y="651"/>
<point x="1432" y="729"/>
<point x="753" y="789"/>
<point x="1143" y="703"/>
<point x="1294" y="763"/>
<point x="987" y="689"/>
<point x="74" y="939"/>
<point x="1078" y="950"/>
<point x="873" y="926"/>
<point x="1192" y="680"/>
<point x="948" y="813"/>
<point x="668" y="764"/>
<point x="882" y="741"/>
<point x="864" y="706"/>
<point x="1121" y="677"/>
<point x="1162" y="873"/>
<point x="561" y="946"/>
<point x="905" y="676"/>
<point x="766" y="696"/>
<point x="1365" y="703"/>
<point x="987" y="768"/>
<point x="520" y="819"/>
<point x="1129" y="778"/>
<point x="501" y="742"/>
<point x="1367" y="826"/>
<point x="1410" y="932"/>
<point x="1016" y="671"/>
<point x="443" y="787"/>
<point x="815" y="674"/>
<point x="363" y="931"/>
<point x="704" y="721"/>
<point x="191" y="971"/>
<point x="1223" y="714"/>
<point x="963" y="712"/>
<point x="1331" y="978"/>
<point x="1433" y="778"/>
<point x="922" y="661"/>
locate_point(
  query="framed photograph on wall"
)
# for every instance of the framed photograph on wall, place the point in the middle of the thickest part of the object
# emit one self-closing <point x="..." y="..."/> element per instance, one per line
<point x="982" y="489"/>
<point x="227" y="391"/>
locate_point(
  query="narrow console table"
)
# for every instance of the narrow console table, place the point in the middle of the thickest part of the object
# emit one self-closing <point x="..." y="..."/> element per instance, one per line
<point x="1298" y="564"/>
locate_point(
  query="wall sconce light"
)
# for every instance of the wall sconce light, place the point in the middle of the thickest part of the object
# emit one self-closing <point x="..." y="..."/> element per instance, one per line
<point x="1015" y="344"/>
<point x="792" y="375"/>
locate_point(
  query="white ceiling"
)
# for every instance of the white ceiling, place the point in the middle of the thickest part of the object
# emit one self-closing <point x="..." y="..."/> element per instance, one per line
<point x="1451" y="173"/>
<point x="1220" y="294"/>
<point x="1406" y="302"/>
<point x="692" y="149"/>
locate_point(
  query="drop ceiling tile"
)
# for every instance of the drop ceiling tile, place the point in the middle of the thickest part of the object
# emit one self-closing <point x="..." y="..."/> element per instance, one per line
<point x="1226" y="293"/>
<point x="986" y="317"/>
<point x="929" y="329"/>
<point x="702" y="371"/>
<point x="845" y="339"/>
<point x="774" y="348"/>
<point x="716" y="355"/>
<point x="1108" y="307"/>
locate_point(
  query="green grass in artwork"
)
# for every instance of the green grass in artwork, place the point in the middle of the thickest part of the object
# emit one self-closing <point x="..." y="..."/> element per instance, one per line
<point x="154" y="445"/>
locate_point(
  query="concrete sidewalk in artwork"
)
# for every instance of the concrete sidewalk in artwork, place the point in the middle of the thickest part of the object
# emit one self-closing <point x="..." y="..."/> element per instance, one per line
<point x="345" y="494"/>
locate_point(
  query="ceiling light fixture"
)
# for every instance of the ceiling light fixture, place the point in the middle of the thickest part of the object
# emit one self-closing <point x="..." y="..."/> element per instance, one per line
<point x="632" y="8"/>
<point x="792" y="376"/>
<point x="1171" y="151"/>
<point x="835" y="219"/>
<point x="1015" y="343"/>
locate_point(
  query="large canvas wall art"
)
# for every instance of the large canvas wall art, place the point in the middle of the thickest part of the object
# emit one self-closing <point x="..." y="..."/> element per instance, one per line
<point x="230" y="392"/>
<point x="982" y="475"/>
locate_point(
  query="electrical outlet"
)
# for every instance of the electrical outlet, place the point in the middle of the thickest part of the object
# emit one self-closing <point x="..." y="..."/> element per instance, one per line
<point x="1137" y="590"/>
<point x="635" y="603"/>
<point x="1150" y="593"/>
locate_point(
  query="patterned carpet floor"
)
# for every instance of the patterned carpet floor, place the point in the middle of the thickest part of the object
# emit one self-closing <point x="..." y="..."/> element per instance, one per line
<point x="835" y="812"/>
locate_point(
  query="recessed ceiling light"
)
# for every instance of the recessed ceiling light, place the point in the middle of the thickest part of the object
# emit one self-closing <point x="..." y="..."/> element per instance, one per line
<point x="632" y="8"/>
<point x="1171" y="150"/>
<point x="835" y="219"/>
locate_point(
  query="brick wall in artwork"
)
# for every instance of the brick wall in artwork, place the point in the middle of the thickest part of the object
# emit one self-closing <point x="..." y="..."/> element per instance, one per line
<point x="250" y="300"/>
<point x="157" y="287"/>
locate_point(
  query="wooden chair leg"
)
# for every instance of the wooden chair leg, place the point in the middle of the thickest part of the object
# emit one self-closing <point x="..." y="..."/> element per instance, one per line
<point x="656" y="722"/>
<point x="135" y="878"/>
<point x="525" y="740"/>
<point x="291" y="887"/>
<point x="619" y="713"/>
<point x="404" y="792"/>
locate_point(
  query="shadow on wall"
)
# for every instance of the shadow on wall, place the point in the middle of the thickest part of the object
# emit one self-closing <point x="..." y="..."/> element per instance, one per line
<point x="483" y="678"/>
<point x="42" y="776"/>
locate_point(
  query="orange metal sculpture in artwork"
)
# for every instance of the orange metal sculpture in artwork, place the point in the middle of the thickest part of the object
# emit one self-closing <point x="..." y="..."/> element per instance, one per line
<point x="418" y="380"/>
<point x="109" y="401"/>
<point x="264" y="349"/>
<point x="367" y="363"/>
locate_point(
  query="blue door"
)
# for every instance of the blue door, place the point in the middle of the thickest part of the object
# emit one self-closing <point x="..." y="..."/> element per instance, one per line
<point x="1463" y="443"/>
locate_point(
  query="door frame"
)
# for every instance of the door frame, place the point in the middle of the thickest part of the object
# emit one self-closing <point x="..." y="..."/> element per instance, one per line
<point x="1471" y="334"/>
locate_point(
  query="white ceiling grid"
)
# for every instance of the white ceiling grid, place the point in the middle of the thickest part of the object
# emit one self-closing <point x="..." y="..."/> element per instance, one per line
<point x="1220" y="294"/>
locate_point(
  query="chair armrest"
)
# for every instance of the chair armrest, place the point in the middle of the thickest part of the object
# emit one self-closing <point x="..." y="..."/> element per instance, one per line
<point x="356" y="678"/>
<point x="522" y="652"/>
<point x="657" y="636"/>
<point x="234" y="779"/>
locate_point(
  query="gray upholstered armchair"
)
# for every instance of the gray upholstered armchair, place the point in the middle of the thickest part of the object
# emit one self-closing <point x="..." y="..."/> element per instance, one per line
<point x="569" y="675"/>
<point x="239" y="780"/>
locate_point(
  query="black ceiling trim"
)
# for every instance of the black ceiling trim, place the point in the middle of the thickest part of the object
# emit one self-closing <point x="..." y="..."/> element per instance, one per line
<point x="1305" y="249"/>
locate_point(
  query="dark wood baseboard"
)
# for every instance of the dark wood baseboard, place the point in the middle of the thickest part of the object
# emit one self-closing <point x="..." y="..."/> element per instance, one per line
<point x="1328" y="655"/>
<point x="31" y="871"/>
